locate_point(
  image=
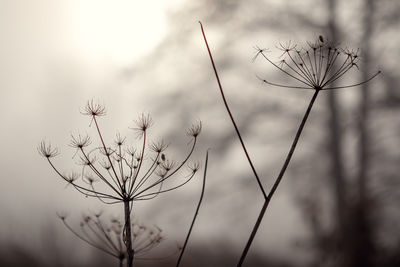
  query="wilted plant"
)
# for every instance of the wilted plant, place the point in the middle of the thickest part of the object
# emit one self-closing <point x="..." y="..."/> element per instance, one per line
<point x="106" y="235"/>
<point x="315" y="67"/>
<point x="120" y="173"/>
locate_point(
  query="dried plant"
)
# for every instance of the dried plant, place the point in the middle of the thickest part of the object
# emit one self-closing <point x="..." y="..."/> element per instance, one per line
<point x="120" y="173"/>
<point x="315" y="67"/>
<point x="196" y="212"/>
<point x="106" y="235"/>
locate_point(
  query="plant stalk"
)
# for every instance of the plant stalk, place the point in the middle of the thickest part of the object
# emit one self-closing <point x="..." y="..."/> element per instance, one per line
<point x="278" y="179"/>
<point x="231" y="116"/>
<point x="197" y="211"/>
<point x="128" y="234"/>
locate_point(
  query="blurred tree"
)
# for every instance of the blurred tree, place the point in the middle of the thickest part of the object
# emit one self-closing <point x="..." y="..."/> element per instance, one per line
<point x="351" y="238"/>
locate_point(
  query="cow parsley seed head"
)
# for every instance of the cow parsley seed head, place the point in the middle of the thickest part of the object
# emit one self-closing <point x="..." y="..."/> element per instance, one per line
<point x="317" y="66"/>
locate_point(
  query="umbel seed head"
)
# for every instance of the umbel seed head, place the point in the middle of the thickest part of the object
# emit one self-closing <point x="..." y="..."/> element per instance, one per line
<point x="46" y="150"/>
<point x="94" y="109"/>
<point x="317" y="66"/>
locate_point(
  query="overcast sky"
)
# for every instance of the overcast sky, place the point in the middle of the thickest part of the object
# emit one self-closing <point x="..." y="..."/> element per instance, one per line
<point x="55" y="55"/>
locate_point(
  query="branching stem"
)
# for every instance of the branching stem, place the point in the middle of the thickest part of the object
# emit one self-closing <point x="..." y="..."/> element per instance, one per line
<point x="267" y="198"/>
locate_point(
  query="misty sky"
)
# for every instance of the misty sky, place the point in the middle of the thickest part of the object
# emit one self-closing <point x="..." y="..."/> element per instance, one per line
<point x="55" y="55"/>
<point x="143" y="56"/>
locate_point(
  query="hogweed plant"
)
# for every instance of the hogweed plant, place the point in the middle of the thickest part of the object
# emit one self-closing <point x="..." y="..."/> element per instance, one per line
<point x="316" y="67"/>
<point x="106" y="236"/>
<point x="121" y="173"/>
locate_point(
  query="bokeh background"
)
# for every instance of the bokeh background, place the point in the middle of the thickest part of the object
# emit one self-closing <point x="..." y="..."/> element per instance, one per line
<point x="338" y="204"/>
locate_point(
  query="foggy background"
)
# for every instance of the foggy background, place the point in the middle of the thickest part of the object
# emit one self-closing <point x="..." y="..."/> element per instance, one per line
<point x="338" y="202"/>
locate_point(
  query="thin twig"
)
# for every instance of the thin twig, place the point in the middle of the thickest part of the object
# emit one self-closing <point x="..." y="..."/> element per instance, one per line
<point x="197" y="211"/>
<point x="278" y="180"/>
<point x="231" y="116"/>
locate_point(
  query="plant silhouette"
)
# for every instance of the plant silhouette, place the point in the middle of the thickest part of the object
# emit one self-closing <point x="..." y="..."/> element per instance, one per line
<point x="120" y="173"/>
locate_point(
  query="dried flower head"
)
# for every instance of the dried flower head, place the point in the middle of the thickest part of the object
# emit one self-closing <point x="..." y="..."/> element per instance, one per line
<point x="286" y="48"/>
<point x="107" y="235"/>
<point x="168" y="164"/>
<point x="123" y="174"/>
<point x="143" y="123"/>
<point x="159" y="146"/>
<point x="194" y="167"/>
<point x="71" y="177"/>
<point x="195" y="129"/>
<point x="317" y="66"/>
<point x="119" y="140"/>
<point x="94" y="109"/>
<point x="131" y="151"/>
<point x="80" y="141"/>
<point x="46" y="150"/>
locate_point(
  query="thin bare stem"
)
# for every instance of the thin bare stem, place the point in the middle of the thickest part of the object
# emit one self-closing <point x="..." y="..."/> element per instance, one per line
<point x="128" y="234"/>
<point x="231" y="116"/>
<point x="140" y="164"/>
<point x="197" y="211"/>
<point x="278" y="180"/>
<point x="353" y="85"/>
<point x="83" y="190"/>
<point x="106" y="151"/>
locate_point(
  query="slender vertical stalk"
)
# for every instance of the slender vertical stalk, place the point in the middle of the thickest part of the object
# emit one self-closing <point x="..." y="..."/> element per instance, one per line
<point x="197" y="211"/>
<point x="231" y="116"/>
<point x="278" y="179"/>
<point x="128" y="234"/>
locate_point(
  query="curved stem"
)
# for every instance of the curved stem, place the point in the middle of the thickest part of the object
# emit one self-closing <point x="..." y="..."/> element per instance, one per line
<point x="137" y="194"/>
<point x="278" y="179"/>
<point x="197" y="211"/>
<point x="353" y="85"/>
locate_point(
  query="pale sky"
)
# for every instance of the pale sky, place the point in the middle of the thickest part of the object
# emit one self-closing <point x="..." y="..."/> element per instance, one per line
<point x="54" y="56"/>
<point x="57" y="54"/>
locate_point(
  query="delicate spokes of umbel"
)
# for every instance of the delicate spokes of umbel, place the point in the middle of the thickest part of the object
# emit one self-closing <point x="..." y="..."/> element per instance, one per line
<point x="121" y="172"/>
<point x="107" y="235"/>
<point x="317" y="66"/>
